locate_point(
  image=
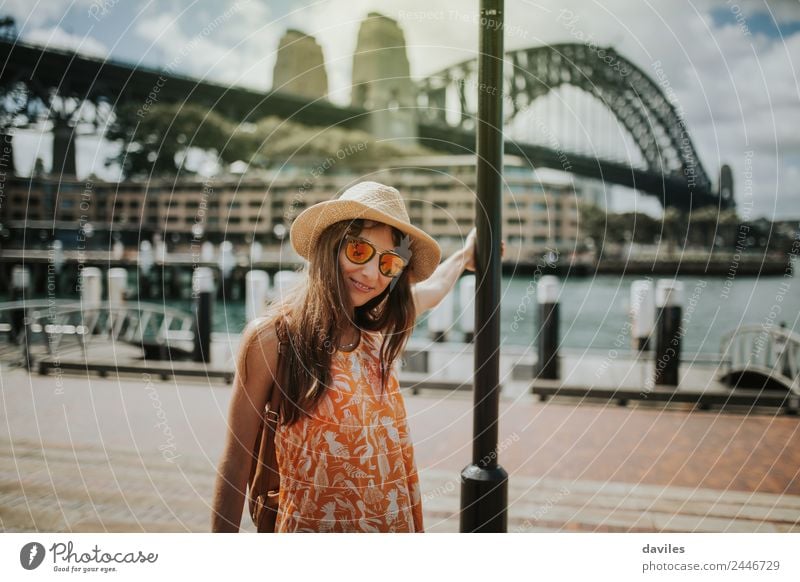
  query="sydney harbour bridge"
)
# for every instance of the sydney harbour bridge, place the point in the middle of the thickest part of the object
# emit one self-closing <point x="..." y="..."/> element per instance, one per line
<point x="68" y="90"/>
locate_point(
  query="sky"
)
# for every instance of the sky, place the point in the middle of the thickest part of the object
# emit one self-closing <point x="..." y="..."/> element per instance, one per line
<point x="732" y="67"/>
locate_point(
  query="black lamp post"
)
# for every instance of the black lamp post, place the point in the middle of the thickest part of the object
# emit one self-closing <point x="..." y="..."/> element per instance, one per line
<point x="484" y="483"/>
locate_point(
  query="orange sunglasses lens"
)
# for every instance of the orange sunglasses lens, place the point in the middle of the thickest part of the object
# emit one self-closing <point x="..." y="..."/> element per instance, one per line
<point x="359" y="252"/>
<point x="391" y="265"/>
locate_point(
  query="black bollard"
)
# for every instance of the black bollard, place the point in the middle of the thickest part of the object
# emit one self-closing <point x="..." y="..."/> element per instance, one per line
<point x="203" y="295"/>
<point x="547" y="368"/>
<point x="668" y="333"/>
<point x="20" y="281"/>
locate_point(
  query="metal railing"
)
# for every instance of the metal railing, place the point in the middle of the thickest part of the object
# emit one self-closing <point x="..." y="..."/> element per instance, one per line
<point x="50" y="327"/>
<point x="773" y="352"/>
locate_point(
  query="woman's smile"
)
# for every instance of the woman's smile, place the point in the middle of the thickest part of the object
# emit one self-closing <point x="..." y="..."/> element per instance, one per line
<point x="360" y="287"/>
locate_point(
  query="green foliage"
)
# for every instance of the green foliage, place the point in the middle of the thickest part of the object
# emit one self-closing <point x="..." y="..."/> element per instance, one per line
<point x="611" y="227"/>
<point x="707" y="228"/>
<point x="156" y="141"/>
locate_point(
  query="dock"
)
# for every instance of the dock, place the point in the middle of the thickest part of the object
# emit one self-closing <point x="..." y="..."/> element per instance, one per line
<point x="87" y="454"/>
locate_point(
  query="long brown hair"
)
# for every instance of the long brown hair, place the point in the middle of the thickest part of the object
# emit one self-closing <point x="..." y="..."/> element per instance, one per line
<point x="315" y="311"/>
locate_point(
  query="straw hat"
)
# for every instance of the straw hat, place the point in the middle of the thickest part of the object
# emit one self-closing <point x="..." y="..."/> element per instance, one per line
<point x="367" y="201"/>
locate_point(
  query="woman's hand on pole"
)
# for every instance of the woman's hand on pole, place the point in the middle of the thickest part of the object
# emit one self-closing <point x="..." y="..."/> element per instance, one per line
<point x="470" y="249"/>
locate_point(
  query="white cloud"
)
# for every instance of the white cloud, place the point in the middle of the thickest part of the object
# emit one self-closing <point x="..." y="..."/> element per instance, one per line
<point x="58" y="38"/>
<point x="36" y="14"/>
<point x="232" y="45"/>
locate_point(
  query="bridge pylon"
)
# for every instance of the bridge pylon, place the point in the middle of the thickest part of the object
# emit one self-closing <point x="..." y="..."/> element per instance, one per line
<point x="382" y="81"/>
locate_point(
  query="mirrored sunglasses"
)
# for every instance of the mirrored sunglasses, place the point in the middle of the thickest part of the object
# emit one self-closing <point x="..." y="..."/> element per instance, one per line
<point x="360" y="252"/>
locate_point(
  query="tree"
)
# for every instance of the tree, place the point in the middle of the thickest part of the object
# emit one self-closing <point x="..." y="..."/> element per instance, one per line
<point x="155" y="141"/>
<point x="671" y="221"/>
<point x="703" y="226"/>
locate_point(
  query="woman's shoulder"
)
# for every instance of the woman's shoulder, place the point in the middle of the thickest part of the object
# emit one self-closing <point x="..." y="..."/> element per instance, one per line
<point x="259" y="346"/>
<point x="260" y="329"/>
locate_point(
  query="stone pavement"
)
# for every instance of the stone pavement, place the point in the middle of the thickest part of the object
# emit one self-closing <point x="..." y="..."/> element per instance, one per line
<point x="138" y="454"/>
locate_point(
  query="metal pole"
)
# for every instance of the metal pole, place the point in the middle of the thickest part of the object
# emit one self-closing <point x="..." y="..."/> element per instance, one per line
<point x="484" y="483"/>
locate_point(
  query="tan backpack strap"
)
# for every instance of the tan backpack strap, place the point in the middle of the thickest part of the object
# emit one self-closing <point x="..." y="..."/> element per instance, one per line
<point x="276" y="391"/>
<point x="279" y="378"/>
<point x="264" y="475"/>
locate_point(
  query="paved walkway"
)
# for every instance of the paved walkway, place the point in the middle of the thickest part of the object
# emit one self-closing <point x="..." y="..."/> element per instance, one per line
<point x="138" y="454"/>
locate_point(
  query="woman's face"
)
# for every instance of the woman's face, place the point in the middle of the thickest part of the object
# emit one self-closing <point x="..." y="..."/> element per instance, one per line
<point x="365" y="282"/>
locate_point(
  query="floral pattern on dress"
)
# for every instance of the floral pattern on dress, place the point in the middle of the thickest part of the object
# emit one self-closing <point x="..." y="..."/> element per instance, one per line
<point x="349" y="467"/>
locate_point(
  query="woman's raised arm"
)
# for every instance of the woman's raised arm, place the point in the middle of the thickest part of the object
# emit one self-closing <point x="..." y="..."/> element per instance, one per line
<point x="256" y="365"/>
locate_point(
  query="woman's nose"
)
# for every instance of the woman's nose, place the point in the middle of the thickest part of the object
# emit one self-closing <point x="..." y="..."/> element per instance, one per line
<point x="370" y="269"/>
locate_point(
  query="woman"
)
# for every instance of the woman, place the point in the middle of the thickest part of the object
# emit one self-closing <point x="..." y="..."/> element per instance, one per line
<point x="344" y="453"/>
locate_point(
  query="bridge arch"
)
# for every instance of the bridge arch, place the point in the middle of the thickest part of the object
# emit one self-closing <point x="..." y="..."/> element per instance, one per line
<point x="638" y="102"/>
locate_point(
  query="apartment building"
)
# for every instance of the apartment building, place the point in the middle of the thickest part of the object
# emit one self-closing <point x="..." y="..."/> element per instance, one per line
<point x="540" y="209"/>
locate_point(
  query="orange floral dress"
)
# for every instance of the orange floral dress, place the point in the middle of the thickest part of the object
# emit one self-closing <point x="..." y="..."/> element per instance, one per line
<point x="349" y="467"/>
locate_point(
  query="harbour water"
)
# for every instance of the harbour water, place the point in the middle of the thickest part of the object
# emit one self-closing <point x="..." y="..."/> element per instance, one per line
<point x="594" y="311"/>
